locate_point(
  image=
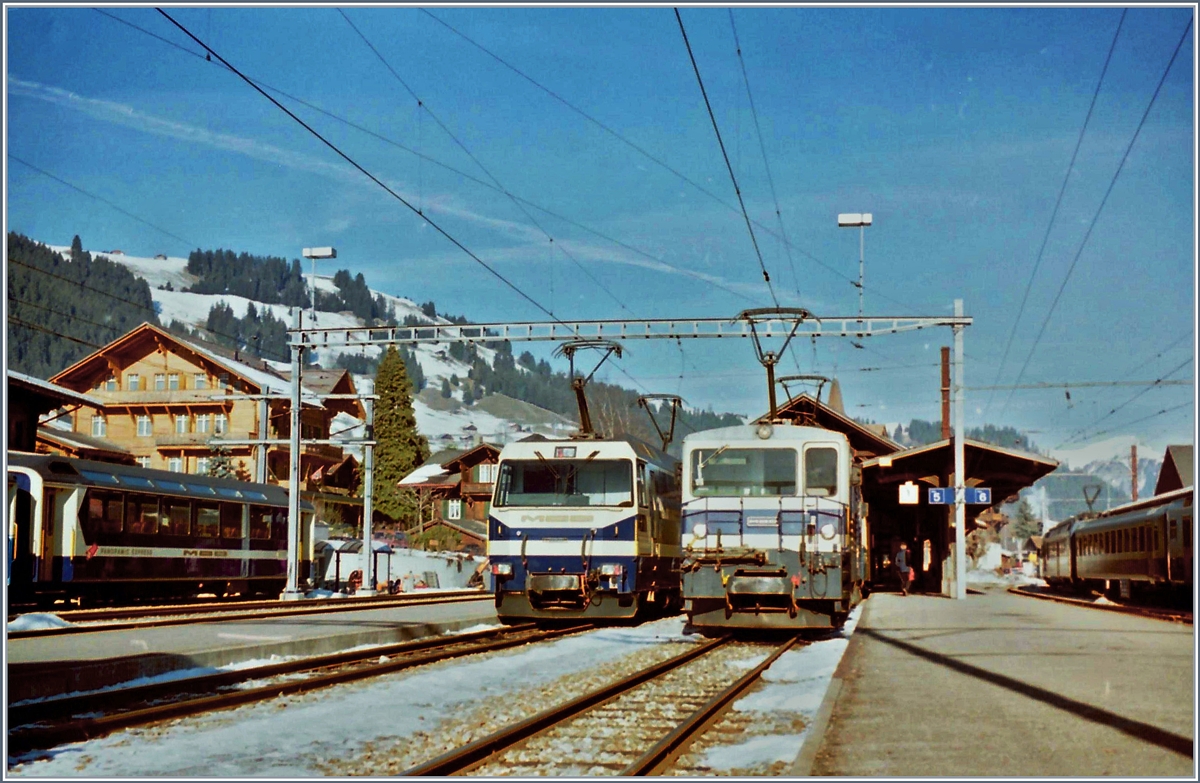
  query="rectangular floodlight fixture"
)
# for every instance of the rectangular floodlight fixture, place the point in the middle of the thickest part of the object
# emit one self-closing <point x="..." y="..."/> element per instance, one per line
<point x="854" y="219"/>
<point x="320" y="252"/>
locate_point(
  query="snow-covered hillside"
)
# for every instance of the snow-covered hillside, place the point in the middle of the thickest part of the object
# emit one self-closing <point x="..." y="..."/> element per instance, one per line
<point x="449" y="426"/>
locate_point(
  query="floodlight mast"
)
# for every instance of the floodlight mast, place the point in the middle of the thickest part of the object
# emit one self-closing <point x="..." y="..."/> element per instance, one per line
<point x="577" y="383"/>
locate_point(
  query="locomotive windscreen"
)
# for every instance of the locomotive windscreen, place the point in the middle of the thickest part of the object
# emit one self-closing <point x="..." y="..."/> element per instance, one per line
<point x="725" y="472"/>
<point x="529" y="483"/>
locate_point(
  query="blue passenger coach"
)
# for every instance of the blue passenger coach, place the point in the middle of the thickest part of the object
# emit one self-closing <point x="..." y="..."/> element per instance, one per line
<point x="109" y="533"/>
<point x="584" y="528"/>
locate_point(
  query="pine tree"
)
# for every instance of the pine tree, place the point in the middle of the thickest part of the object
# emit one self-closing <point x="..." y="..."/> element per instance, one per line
<point x="220" y="465"/>
<point x="399" y="448"/>
<point x="76" y="249"/>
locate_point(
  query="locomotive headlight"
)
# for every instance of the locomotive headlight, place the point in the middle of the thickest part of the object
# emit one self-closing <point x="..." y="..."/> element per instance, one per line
<point x="611" y="569"/>
<point x="827" y="531"/>
<point x="764" y="430"/>
<point x="700" y="530"/>
<point x="502" y="569"/>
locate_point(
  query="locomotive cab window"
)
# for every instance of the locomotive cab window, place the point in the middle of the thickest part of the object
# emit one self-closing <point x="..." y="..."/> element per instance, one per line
<point x="820" y="471"/>
<point x="725" y="472"/>
<point x="583" y="482"/>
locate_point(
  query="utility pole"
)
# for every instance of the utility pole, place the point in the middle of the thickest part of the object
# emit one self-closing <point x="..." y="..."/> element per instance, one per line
<point x="960" y="506"/>
<point x="1133" y="468"/>
<point x="945" y="392"/>
<point x="370" y="578"/>
<point x="292" y="591"/>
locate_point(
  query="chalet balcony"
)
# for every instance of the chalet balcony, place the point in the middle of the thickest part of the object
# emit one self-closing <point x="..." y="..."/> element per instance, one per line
<point x="136" y="399"/>
<point x="196" y="440"/>
<point x="477" y="488"/>
<point x="322" y="450"/>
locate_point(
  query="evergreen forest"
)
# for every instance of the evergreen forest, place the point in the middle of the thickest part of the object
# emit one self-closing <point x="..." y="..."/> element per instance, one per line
<point x="62" y="309"/>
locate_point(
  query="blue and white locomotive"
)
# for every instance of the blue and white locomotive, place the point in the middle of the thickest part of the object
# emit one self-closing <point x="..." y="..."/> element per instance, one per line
<point x="775" y="535"/>
<point x="584" y="528"/>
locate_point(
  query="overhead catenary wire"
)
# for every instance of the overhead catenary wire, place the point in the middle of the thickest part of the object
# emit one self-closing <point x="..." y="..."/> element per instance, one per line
<point x="1156" y="414"/>
<point x="512" y="286"/>
<point x="12" y="319"/>
<point x="61" y="181"/>
<point x="706" y="279"/>
<point x="1058" y="202"/>
<point x="763" y="149"/>
<point x="496" y="182"/>
<point x="652" y="158"/>
<point x="370" y="176"/>
<point x="725" y="155"/>
<point x="1087" y="235"/>
<point x="1082" y="432"/>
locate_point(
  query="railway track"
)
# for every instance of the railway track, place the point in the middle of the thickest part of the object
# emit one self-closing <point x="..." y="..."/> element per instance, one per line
<point x="92" y="620"/>
<point x="1170" y="615"/>
<point x="46" y="724"/>
<point x="637" y="725"/>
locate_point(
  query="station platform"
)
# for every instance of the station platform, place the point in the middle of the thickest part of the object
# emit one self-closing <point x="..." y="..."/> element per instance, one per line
<point x="1002" y="685"/>
<point x="53" y="665"/>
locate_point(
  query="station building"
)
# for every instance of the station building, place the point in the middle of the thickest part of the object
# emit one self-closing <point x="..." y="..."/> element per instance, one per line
<point x="887" y="465"/>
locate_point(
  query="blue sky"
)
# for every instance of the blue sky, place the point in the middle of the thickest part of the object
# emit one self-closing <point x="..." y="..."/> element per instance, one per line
<point x="954" y="127"/>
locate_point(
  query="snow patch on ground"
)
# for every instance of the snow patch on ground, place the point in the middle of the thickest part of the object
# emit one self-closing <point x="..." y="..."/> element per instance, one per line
<point x="335" y="722"/>
<point x="982" y="577"/>
<point x="794" y="685"/>
<point x="37" y="621"/>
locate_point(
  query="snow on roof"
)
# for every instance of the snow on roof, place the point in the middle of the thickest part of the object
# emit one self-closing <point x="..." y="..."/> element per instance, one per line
<point x="424" y="474"/>
<point x="267" y="382"/>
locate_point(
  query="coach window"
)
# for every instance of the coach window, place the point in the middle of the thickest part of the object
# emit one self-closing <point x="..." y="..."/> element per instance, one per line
<point x="177" y="517"/>
<point x="141" y="515"/>
<point x="643" y="499"/>
<point x="820" y="471"/>
<point x="231" y="520"/>
<point x="104" y="512"/>
<point x="260" y="523"/>
<point x="208" y="520"/>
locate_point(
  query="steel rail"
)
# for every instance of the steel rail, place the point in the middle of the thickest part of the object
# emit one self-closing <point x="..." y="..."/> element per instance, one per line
<point x="43" y="737"/>
<point x="56" y="708"/>
<point x="232" y="615"/>
<point x="670" y="747"/>
<point x="1167" y="615"/>
<point x="235" y="605"/>
<point x="484" y="749"/>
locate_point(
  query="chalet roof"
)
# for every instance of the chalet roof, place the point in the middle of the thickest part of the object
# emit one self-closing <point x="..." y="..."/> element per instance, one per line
<point x="863" y="437"/>
<point x="265" y="381"/>
<point x="472" y="456"/>
<point x="54" y="394"/>
<point x="1176" y="471"/>
<point x="78" y="442"/>
<point x="468" y="526"/>
<point x="337" y="381"/>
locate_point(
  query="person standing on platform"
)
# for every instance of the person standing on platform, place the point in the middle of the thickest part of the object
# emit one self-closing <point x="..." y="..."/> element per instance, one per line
<point x="902" y="568"/>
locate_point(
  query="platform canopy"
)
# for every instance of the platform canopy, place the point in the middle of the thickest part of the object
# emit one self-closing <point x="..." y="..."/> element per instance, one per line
<point x="1004" y="471"/>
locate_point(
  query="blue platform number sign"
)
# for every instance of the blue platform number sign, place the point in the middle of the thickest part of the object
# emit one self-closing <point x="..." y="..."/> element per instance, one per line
<point x="941" y="496"/>
<point x="979" y="496"/>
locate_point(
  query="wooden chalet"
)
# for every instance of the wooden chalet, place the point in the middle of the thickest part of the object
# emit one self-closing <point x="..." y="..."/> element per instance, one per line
<point x="29" y="399"/>
<point x="171" y="403"/>
<point x="454" y="490"/>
